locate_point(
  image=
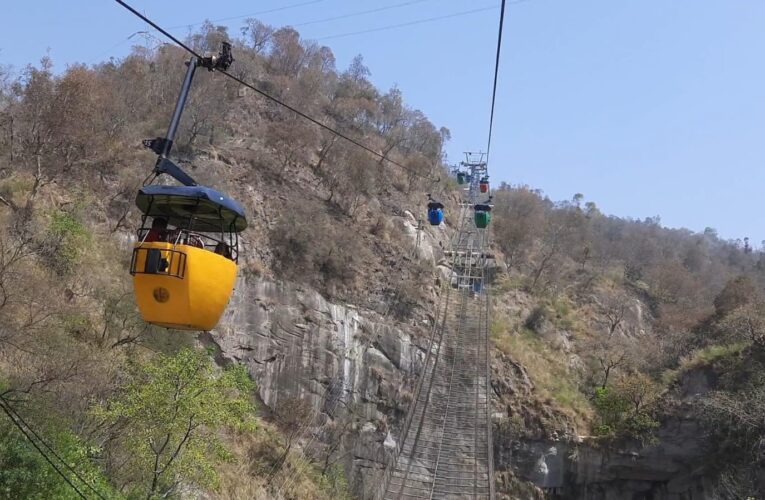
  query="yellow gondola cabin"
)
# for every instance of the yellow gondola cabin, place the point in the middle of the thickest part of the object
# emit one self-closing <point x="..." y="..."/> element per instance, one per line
<point x="184" y="264"/>
<point x="184" y="267"/>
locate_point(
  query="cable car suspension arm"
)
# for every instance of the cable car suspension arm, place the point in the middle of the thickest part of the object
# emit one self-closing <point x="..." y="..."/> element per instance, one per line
<point x="163" y="145"/>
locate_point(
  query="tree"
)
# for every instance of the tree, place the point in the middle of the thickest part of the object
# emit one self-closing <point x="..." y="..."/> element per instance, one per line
<point x="555" y="232"/>
<point x="166" y="421"/>
<point x="24" y="473"/>
<point x="342" y="426"/>
<point x="257" y="34"/>
<point x="357" y="71"/>
<point x="519" y="215"/>
<point x="610" y="353"/>
<point x="737" y="292"/>
<point x="287" y="55"/>
<point x="612" y="309"/>
<point x="293" y="416"/>
<point x="626" y="408"/>
<point x="746" y="323"/>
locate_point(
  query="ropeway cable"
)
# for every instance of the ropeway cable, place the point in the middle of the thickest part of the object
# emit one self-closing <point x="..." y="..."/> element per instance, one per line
<point x="496" y="74"/>
<point x="267" y="95"/>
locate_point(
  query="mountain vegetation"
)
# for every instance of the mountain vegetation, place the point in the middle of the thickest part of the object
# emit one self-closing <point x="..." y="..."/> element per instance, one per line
<point x="641" y="308"/>
<point x="604" y="318"/>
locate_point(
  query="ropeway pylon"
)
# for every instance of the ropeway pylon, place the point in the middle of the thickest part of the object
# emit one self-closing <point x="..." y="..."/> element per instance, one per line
<point x="445" y="445"/>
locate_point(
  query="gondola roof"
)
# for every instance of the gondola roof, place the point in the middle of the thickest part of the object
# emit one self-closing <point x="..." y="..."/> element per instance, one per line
<point x="196" y="208"/>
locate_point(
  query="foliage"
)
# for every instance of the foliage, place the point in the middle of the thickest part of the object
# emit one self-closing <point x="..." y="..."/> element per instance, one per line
<point x="537" y="318"/>
<point x="737" y="292"/>
<point x="312" y="247"/>
<point x="167" y="420"/>
<point x="565" y="245"/>
<point x="704" y="357"/>
<point x="79" y="127"/>
<point x="548" y="368"/>
<point x="734" y="419"/>
<point x="625" y="409"/>
<point x="24" y="473"/>
<point x="745" y="323"/>
<point x="65" y="241"/>
<point x="334" y="483"/>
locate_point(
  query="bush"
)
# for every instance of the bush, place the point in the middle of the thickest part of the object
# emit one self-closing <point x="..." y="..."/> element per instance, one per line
<point x="625" y="409"/>
<point x="64" y="242"/>
<point x="183" y="402"/>
<point x="24" y="473"/>
<point x="310" y="247"/>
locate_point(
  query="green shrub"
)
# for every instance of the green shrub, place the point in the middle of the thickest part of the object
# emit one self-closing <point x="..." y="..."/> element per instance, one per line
<point x="625" y="409"/>
<point x="24" y="473"/>
<point x="334" y="484"/>
<point x="64" y="242"/>
<point x="537" y="317"/>
<point x="548" y="369"/>
<point x="702" y="357"/>
<point x="183" y="402"/>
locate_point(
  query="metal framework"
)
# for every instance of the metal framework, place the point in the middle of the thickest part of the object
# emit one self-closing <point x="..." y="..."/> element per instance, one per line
<point x="445" y="447"/>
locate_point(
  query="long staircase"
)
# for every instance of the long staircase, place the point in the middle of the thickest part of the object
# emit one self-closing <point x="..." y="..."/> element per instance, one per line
<point x="445" y="447"/>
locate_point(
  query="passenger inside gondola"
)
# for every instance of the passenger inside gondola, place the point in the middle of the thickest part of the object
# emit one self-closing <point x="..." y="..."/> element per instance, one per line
<point x="435" y="211"/>
<point x="223" y="249"/>
<point x="158" y="231"/>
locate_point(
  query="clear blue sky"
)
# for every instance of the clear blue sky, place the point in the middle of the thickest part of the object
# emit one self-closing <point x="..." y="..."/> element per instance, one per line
<point x="647" y="107"/>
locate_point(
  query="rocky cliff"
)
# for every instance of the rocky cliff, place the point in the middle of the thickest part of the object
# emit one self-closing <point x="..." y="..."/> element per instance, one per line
<point x="298" y="344"/>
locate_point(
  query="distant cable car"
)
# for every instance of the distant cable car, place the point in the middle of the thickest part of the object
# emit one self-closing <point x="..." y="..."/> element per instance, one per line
<point x="184" y="265"/>
<point x="435" y="212"/>
<point x="482" y="215"/>
<point x="483" y="185"/>
<point x="460" y="177"/>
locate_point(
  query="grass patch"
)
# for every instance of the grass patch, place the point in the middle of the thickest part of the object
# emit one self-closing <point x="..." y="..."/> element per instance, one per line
<point x="557" y="310"/>
<point x="704" y="357"/>
<point x="253" y="475"/>
<point x="507" y="284"/>
<point x="547" y="368"/>
<point x="563" y="313"/>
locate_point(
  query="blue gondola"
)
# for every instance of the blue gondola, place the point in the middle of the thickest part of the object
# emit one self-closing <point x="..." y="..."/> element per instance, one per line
<point x="435" y="212"/>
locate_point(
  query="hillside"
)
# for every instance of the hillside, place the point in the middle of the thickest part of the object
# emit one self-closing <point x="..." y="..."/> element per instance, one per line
<point x="623" y="351"/>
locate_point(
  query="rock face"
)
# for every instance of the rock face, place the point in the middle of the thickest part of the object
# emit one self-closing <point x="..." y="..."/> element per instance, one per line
<point x="297" y="344"/>
<point x="673" y="469"/>
<point x="532" y="462"/>
<point x="670" y="470"/>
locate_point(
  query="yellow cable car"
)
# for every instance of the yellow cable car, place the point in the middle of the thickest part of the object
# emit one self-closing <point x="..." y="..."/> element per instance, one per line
<point x="184" y="266"/>
<point x="183" y="277"/>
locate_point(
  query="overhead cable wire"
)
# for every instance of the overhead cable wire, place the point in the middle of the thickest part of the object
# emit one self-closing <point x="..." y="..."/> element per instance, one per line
<point x="158" y="28"/>
<point x="320" y="124"/>
<point x="317" y="21"/>
<point x="411" y="23"/>
<point x="360" y="13"/>
<point x="49" y="448"/>
<point x="496" y="74"/>
<point x="44" y="455"/>
<point x="285" y="7"/>
<point x="267" y="95"/>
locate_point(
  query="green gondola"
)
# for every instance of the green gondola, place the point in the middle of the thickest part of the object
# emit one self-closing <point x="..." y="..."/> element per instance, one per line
<point x="482" y="216"/>
<point x="460" y="177"/>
